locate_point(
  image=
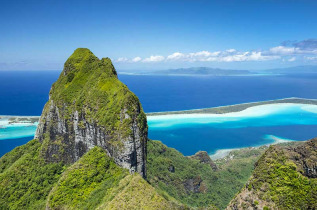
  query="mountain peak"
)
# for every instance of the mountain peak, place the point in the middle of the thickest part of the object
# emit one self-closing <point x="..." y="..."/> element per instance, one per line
<point x="83" y="59"/>
<point x="89" y="106"/>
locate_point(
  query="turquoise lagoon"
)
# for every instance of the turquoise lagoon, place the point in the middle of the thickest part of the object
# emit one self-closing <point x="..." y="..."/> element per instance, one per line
<point x="14" y="134"/>
<point x="9" y="130"/>
<point x="254" y="126"/>
<point x="214" y="133"/>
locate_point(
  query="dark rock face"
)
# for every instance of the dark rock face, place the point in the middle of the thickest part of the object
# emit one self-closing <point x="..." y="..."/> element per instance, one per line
<point x="89" y="107"/>
<point x="203" y="157"/>
<point x="305" y="157"/>
<point x="171" y="169"/>
<point x="195" y="185"/>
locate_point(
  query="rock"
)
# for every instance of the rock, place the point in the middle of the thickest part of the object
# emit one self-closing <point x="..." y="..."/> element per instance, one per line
<point x="171" y="169"/>
<point x="305" y="157"/>
<point x="195" y="185"/>
<point x="203" y="157"/>
<point x="88" y="106"/>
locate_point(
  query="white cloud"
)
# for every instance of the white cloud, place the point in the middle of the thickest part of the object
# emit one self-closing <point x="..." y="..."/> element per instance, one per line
<point x="202" y="55"/>
<point x="176" y="56"/>
<point x="136" y="59"/>
<point x="292" y="59"/>
<point x="206" y="56"/>
<point x="285" y="52"/>
<point x="247" y="56"/>
<point x="154" y="58"/>
<point x="231" y="50"/>
<point x="218" y="56"/>
<point x="122" y="60"/>
<point x="311" y="58"/>
<point x="282" y="50"/>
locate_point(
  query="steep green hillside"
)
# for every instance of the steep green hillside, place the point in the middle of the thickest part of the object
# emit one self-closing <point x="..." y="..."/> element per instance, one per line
<point x="93" y="182"/>
<point x="25" y="178"/>
<point x="85" y="183"/>
<point x="133" y="192"/>
<point x="196" y="183"/>
<point x="284" y="178"/>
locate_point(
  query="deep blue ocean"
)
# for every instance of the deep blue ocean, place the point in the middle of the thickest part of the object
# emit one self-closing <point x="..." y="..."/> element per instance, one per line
<point x="25" y="93"/>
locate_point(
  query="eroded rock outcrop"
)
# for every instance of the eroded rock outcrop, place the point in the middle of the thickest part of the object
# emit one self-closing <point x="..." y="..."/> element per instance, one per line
<point x="203" y="157"/>
<point x="88" y="106"/>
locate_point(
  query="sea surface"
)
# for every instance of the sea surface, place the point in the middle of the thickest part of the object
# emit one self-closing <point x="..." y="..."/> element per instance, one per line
<point x="25" y="93"/>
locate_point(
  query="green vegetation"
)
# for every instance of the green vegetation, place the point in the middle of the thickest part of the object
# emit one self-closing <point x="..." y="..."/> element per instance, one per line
<point x="85" y="183"/>
<point x="93" y="182"/>
<point x="133" y="192"/>
<point x="25" y="178"/>
<point x="196" y="184"/>
<point x="276" y="179"/>
<point x="91" y="87"/>
<point x="284" y="178"/>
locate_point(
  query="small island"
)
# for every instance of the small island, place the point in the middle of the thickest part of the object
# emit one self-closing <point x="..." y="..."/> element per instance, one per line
<point x="237" y="107"/>
<point x="11" y="120"/>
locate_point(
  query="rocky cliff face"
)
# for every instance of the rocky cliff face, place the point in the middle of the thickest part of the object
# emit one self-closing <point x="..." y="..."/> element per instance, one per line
<point x="88" y="106"/>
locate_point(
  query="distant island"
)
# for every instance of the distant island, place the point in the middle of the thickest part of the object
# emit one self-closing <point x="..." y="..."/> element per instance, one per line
<point x="208" y="71"/>
<point x="203" y="71"/>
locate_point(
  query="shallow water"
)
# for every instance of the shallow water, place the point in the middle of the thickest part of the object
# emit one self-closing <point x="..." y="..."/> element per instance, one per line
<point x="15" y="130"/>
<point x="254" y="126"/>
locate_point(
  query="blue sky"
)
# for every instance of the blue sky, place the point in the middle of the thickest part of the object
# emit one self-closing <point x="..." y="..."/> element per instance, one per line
<point x="235" y="34"/>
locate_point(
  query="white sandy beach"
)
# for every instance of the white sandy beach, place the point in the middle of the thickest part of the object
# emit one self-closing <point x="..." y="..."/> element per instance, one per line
<point x="251" y="112"/>
<point x="6" y="122"/>
<point x="221" y="153"/>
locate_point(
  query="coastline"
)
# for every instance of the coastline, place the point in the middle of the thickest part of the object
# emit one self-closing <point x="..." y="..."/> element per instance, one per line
<point x="222" y="153"/>
<point x="237" y="107"/>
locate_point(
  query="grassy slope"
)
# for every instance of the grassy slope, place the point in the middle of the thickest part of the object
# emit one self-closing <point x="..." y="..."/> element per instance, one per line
<point x="25" y="178"/>
<point x="139" y="194"/>
<point x="84" y="184"/>
<point x="287" y="188"/>
<point x="277" y="182"/>
<point x="217" y="187"/>
<point x="94" y="181"/>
